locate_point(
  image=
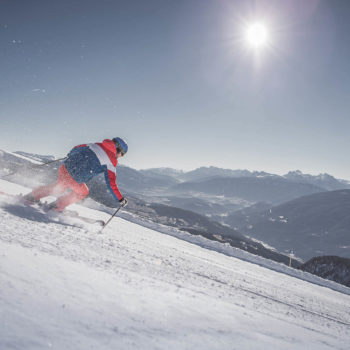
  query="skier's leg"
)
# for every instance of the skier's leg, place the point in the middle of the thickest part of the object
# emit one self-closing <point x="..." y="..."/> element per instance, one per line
<point x="79" y="191"/>
<point x="72" y="197"/>
<point x="54" y="189"/>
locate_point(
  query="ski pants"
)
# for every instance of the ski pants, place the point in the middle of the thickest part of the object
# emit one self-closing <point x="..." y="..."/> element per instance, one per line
<point x="64" y="182"/>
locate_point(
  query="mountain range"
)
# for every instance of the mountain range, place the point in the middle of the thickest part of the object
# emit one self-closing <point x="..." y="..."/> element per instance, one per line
<point x="316" y="224"/>
<point x="325" y="181"/>
<point x="253" y="210"/>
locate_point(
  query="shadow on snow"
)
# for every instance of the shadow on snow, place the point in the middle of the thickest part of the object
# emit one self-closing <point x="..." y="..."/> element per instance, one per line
<point x="33" y="214"/>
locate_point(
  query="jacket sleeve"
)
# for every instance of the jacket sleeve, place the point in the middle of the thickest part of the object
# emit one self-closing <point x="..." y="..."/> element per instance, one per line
<point x="111" y="179"/>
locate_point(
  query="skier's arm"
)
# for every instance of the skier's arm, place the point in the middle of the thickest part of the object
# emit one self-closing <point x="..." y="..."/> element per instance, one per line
<point x="111" y="178"/>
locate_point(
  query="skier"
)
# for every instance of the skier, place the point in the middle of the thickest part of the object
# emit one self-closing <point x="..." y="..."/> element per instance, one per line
<point x="84" y="162"/>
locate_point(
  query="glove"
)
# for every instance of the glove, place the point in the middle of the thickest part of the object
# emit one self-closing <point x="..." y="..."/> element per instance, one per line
<point x="123" y="202"/>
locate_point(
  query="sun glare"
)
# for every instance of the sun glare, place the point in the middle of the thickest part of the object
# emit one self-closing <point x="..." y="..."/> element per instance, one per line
<point x="256" y="35"/>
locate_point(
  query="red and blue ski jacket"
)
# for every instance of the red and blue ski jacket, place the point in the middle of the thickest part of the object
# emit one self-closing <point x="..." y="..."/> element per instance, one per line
<point x="88" y="160"/>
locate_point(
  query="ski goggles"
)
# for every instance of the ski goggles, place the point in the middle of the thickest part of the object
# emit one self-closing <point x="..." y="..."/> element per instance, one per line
<point x="121" y="151"/>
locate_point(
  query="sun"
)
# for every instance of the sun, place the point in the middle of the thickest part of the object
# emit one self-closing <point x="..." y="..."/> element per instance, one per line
<point x="256" y="35"/>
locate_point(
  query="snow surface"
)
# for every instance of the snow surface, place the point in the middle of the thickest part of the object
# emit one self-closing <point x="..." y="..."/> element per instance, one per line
<point x="65" y="285"/>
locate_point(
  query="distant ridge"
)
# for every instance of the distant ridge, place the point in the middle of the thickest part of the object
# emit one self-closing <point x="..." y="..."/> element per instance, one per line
<point x="333" y="268"/>
<point x="317" y="224"/>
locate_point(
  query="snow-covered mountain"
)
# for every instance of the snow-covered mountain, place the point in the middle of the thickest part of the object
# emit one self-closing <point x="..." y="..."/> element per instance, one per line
<point x="64" y="285"/>
<point x="241" y="188"/>
<point x="318" y="224"/>
<point x="170" y="172"/>
<point x="35" y="157"/>
<point x="325" y="181"/>
<point x="163" y="198"/>
<point x="186" y="220"/>
<point x="204" y="173"/>
<point x="27" y="169"/>
<point x="255" y="189"/>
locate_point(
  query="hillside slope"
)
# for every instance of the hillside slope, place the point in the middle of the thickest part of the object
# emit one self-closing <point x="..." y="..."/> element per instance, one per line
<point x="66" y="286"/>
<point x="273" y="189"/>
<point x="331" y="267"/>
<point x="318" y="224"/>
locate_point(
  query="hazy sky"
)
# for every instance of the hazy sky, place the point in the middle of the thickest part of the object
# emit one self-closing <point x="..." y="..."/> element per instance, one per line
<point x="178" y="82"/>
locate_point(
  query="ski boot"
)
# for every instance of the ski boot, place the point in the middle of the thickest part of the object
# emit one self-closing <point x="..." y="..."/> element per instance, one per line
<point x="30" y="198"/>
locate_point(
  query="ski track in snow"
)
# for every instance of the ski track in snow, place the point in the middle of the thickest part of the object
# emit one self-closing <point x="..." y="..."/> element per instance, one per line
<point x="66" y="286"/>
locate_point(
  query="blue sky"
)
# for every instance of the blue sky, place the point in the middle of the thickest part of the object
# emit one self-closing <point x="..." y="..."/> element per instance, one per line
<point x="176" y="80"/>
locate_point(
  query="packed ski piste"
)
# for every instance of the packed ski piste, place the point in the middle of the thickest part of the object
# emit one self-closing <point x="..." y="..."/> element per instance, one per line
<point x="142" y="285"/>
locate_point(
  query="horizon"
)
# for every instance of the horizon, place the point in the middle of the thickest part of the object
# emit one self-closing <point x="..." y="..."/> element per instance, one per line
<point x="200" y="167"/>
<point x="238" y="169"/>
<point x="179" y="81"/>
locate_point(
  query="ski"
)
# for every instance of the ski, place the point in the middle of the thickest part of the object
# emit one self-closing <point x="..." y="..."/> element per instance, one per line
<point x="75" y="214"/>
<point x="44" y="207"/>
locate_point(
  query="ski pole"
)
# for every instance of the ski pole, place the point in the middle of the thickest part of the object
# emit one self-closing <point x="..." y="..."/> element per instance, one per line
<point x="110" y="219"/>
<point x="36" y="165"/>
<point x="52" y="161"/>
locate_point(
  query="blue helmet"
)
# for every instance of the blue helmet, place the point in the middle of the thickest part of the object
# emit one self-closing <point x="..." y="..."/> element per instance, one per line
<point x="122" y="146"/>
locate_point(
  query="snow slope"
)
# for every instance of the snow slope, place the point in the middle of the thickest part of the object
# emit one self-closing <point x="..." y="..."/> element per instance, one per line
<point x="64" y="285"/>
